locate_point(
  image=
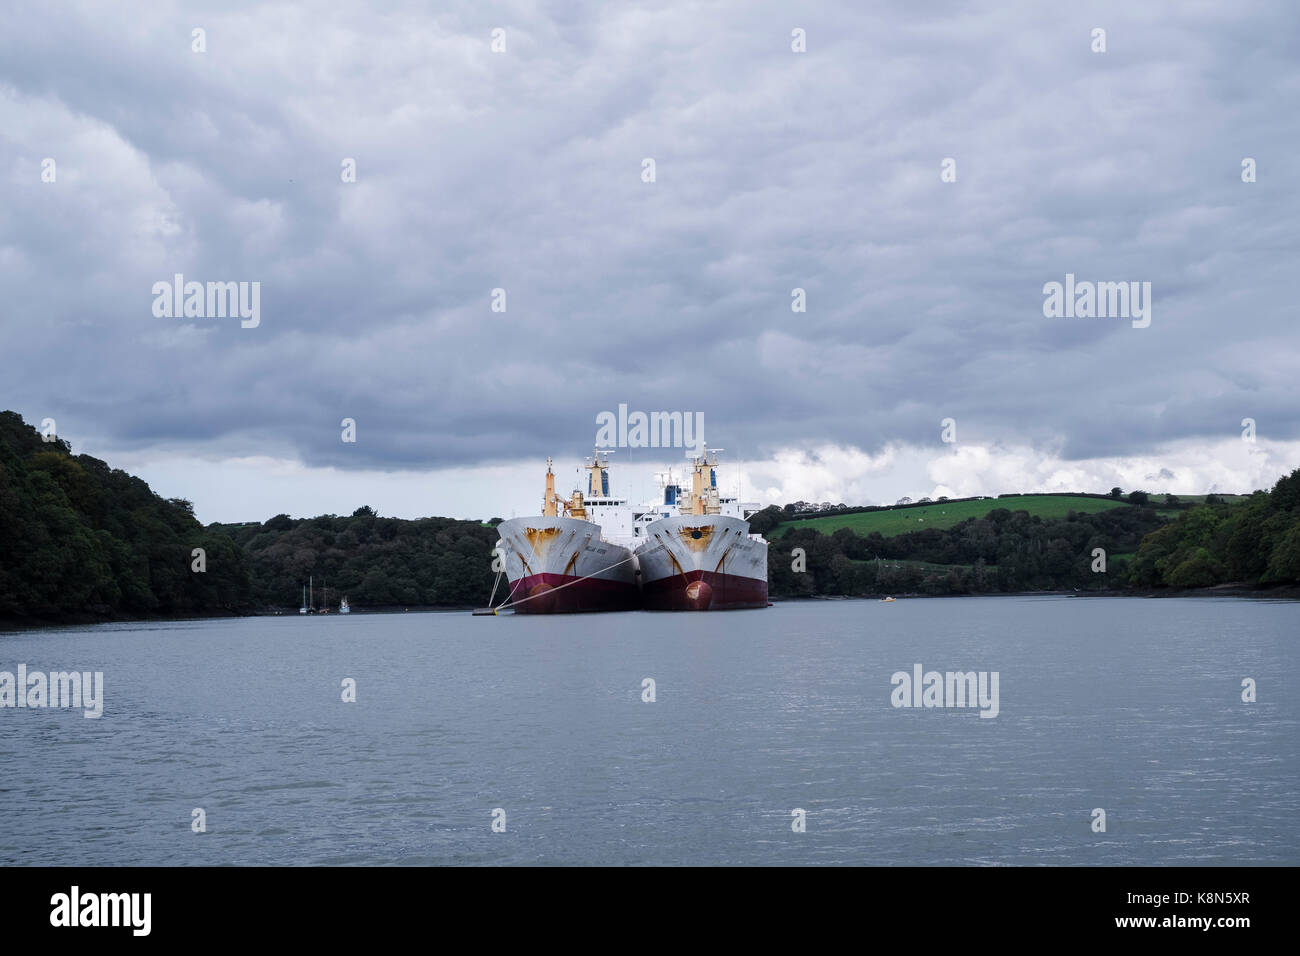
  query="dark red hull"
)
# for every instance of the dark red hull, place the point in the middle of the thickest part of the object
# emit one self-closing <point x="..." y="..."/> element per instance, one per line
<point x="704" y="591"/>
<point x="558" y="594"/>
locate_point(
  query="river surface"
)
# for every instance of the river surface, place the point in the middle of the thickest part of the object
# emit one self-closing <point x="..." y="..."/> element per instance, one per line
<point x="1132" y="706"/>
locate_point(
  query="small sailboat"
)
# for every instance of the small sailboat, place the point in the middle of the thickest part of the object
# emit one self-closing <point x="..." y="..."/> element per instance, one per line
<point x="303" y="609"/>
<point x="343" y="606"/>
<point x="325" y="601"/>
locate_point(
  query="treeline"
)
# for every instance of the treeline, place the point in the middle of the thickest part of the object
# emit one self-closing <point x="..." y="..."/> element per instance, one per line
<point x="1256" y="543"/>
<point x="81" y="539"/>
<point x="805" y="509"/>
<point x="374" y="561"/>
<point x="1000" y="552"/>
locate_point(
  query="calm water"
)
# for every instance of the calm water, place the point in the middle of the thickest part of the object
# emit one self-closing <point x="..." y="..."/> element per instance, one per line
<point x="1126" y="704"/>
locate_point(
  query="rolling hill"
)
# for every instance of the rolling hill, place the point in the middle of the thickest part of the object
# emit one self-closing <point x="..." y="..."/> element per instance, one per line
<point x="946" y="514"/>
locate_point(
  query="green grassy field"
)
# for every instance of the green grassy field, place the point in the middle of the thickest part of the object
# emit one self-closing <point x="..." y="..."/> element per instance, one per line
<point x="945" y="514"/>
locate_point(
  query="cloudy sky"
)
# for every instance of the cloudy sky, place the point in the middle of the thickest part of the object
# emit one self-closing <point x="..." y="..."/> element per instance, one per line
<point x="774" y="170"/>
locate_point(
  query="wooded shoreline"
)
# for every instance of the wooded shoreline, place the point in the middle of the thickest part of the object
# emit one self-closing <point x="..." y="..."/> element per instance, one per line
<point x="83" y="543"/>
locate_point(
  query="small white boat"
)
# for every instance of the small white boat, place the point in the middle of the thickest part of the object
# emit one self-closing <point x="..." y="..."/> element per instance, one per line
<point x="343" y="606"/>
<point x="303" y="609"/>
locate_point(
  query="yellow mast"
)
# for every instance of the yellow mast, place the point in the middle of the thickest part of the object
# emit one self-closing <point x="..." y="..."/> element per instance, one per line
<point x="697" y="485"/>
<point x="549" y="500"/>
<point x="597" y="468"/>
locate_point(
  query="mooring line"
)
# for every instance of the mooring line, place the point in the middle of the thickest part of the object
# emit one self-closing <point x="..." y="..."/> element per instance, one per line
<point x="585" y="577"/>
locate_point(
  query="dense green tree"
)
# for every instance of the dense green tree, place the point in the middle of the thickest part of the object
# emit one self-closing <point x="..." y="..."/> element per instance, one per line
<point x="1284" y="559"/>
<point x="78" y="538"/>
<point x="1253" y="543"/>
<point x="375" y="562"/>
<point x="1286" y="493"/>
<point x="1198" y="570"/>
<point x="765" y="520"/>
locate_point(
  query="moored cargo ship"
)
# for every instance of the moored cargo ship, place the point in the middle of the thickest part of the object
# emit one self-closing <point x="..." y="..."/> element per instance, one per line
<point x="560" y="562"/>
<point x="703" y="558"/>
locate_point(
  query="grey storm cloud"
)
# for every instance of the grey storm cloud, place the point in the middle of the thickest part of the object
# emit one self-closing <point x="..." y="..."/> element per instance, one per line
<point x="522" y="170"/>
